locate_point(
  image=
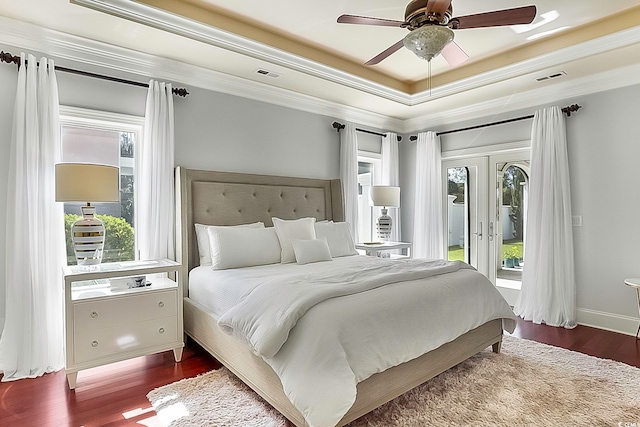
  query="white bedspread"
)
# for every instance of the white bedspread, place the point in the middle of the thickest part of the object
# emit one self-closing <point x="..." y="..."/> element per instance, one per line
<point x="328" y="326"/>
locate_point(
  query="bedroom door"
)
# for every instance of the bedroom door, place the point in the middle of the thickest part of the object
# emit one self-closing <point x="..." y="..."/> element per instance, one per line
<point x="485" y="215"/>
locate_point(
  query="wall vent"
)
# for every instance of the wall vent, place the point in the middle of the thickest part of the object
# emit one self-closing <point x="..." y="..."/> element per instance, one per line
<point x="551" y="76"/>
<point x="267" y="73"/>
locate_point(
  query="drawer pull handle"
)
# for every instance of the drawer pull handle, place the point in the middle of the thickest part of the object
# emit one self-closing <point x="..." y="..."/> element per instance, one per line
<point x="161" y="330"/>
<point x="94" y="314"/>
<point x="161" y="304"/>
<point x="94" y="343"/>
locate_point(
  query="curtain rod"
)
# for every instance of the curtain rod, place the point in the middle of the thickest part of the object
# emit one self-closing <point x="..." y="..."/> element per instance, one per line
<point x="567" y="110"/>
<point x="339" y="126"/>
<point x="11" y="59"/>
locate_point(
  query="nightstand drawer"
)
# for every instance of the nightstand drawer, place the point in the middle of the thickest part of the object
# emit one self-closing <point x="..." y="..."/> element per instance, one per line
<point x="91" y="345"/>
<point x="92" y="315"/>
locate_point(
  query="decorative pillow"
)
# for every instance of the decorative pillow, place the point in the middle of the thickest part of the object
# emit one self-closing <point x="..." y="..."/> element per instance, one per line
<point x="234" y="247"/>
<point x="338" y="237"/>
<point x="203" y="239"/>
<point x="307" y="251"/>
<point x="288" y="230"/>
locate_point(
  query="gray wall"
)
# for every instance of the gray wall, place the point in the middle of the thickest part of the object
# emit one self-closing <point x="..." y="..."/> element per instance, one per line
<point x="604" y="159"/>
<point x="212" y="131"/>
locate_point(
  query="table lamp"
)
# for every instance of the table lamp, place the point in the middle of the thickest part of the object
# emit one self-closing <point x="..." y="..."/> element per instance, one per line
<point x="84" y="182"/>
<point x="386" y="197"/>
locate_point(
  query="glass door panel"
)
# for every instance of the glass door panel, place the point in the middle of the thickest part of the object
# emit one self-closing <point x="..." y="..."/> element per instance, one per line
<point x="465" y="210"/>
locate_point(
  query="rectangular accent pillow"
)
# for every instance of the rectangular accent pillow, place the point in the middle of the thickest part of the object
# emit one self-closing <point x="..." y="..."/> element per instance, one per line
<point x="202" y="237"/>
<point x="235" y="247"/>
<point x="307" y="251"/>
<point x="288" y="230"/>
<point x="339" y="239"/>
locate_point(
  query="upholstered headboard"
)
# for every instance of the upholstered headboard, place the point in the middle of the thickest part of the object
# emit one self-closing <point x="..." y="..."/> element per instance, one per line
<point x="227" y="198"/>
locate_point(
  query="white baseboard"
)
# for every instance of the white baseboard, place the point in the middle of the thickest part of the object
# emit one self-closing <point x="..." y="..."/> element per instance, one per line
<point x="607" y="321"/>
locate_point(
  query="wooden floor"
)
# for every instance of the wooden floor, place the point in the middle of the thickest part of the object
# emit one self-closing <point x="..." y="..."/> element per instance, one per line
<point x="115" y="395"/>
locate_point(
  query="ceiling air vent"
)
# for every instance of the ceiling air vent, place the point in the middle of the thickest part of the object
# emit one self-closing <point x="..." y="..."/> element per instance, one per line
<point x="552" y="76"/>
<point x="268" y="73"/>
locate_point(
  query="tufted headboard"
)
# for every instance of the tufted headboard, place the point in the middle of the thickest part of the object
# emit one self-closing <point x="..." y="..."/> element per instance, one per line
<point x="227" y="198"/>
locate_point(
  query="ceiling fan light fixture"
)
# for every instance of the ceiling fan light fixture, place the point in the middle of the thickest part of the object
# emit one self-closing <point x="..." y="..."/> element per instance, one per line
<point x="428" y="41"/>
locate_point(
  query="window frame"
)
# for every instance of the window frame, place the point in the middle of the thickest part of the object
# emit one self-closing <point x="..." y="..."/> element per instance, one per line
<point x="104" y="121"/>
<point x="375" y="159"/>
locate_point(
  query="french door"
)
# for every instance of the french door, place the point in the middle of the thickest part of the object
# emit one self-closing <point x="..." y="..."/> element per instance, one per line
<point x="485" y="214"/>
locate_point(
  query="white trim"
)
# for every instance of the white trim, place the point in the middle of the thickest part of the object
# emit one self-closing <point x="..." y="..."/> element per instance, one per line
<point x="100" y="119"/>
<point x="607" y="321"/>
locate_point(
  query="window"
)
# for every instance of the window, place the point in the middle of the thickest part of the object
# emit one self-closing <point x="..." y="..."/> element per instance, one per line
<point x="368" y="164"/>
<point x="89" y="136"/>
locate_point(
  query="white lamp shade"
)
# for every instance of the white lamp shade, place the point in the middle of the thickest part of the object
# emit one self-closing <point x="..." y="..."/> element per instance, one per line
<point x="84" y="182"/>
<point x="382" y="195"/>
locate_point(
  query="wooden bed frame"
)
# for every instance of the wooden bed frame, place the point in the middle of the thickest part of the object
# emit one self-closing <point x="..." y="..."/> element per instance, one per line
<point x="224" y="198"/>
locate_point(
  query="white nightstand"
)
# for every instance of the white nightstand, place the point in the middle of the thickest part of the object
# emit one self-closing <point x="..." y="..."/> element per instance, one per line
<point x="104" y="324"/>
<point x="374" y="248"/>
<point x="635" y="283"/>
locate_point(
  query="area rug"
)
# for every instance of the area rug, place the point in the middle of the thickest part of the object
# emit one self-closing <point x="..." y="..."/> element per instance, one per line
<point x="528" y="384"/>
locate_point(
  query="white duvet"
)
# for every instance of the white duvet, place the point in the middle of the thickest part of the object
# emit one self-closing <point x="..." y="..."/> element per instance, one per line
<point x="324" y="327"/>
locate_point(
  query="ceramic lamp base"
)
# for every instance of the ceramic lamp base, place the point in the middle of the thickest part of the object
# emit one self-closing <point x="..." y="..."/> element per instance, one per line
<point x="88" y="237"/>
<point x="384" y="226"/>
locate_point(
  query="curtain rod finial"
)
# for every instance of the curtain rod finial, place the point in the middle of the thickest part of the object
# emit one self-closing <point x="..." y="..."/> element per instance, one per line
<point x="337" y="126"/>
<point x="571" y="109"/>
<point x="9" y="58"/>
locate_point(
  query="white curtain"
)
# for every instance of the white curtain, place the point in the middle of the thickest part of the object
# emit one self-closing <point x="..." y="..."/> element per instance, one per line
<point x="548" y="278"/>
<point x="391" y="176"/>
<point x="428" y="224"/>
<point x="154" y="176"/>
<point x="32" y="339"/>
<point x="349" y="176"/>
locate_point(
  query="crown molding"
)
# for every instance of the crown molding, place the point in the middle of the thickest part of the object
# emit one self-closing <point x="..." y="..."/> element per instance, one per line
<point x="105" y="56"/>
<point x="110" y="57"/>
<point x="561" y="91"/>
<point x="160" y="19"/>
<point x="157" y="18"/>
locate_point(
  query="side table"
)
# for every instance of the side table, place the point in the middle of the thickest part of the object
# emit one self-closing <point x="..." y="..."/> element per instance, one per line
<point x="374" y="248"/>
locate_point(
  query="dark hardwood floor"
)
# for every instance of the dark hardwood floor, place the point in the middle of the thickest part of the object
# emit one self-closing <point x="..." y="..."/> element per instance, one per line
<point x="115" y="395"/>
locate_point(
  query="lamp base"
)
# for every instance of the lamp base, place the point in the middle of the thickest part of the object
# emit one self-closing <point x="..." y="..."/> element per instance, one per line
<point x="383" y="226"/>
<point x="88" y="235"/>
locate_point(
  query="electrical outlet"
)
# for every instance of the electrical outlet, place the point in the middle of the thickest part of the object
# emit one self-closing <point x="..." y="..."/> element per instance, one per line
<point x="576" y="220"/>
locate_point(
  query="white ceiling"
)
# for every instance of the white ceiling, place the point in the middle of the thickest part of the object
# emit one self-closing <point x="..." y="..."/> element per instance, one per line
<point x="318" y="60"/>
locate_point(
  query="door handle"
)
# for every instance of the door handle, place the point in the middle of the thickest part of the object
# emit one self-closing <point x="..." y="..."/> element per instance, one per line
<point x="479" y="233"/>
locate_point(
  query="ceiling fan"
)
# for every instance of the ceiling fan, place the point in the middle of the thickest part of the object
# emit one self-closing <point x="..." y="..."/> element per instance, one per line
<point x="431" y="22"/>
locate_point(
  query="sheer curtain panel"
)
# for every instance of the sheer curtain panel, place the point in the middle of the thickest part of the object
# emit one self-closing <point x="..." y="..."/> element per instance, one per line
<point x="349" y="176"/>
<point x="32" y="339"/>
<point x="428" y="225"/>
<point x="391" y="176"/>
<point x="154" y="176"/>
<point x="548" y="279"/>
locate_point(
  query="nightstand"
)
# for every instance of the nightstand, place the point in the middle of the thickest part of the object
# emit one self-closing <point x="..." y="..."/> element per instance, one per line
<point x="635" y="283"/>
<point x="106" y="321"/>
<point x="375" y="248"/>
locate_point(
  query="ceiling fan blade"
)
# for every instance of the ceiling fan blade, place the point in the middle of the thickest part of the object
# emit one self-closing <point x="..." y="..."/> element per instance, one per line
<point x="364" y="20"/>
<point x="385" y="53"/>
<point x="438" y="7"/>
<point x="518" y="15"/>
<point x="453" y="54"/>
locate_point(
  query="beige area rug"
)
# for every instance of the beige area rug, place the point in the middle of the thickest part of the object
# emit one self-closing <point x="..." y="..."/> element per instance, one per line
<point x="528" y="384"/>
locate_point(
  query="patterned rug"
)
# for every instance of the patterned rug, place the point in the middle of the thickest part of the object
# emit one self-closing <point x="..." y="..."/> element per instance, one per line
<point x="528" y="384"/>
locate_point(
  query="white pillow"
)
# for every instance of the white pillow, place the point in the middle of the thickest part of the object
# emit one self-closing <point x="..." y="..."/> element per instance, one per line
<point x="307" y="251"/>
<point x="234" y="247"/>
<point x="202" y="237"/>
<point x="339" y="239"/>
<point x="288" y="230"/>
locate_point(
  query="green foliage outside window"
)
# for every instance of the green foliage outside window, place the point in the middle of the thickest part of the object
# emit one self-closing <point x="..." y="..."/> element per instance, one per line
<point x="119" y="244"/>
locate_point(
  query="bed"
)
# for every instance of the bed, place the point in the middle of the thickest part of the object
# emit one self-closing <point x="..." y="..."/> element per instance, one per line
<point x="230" y="199"/>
